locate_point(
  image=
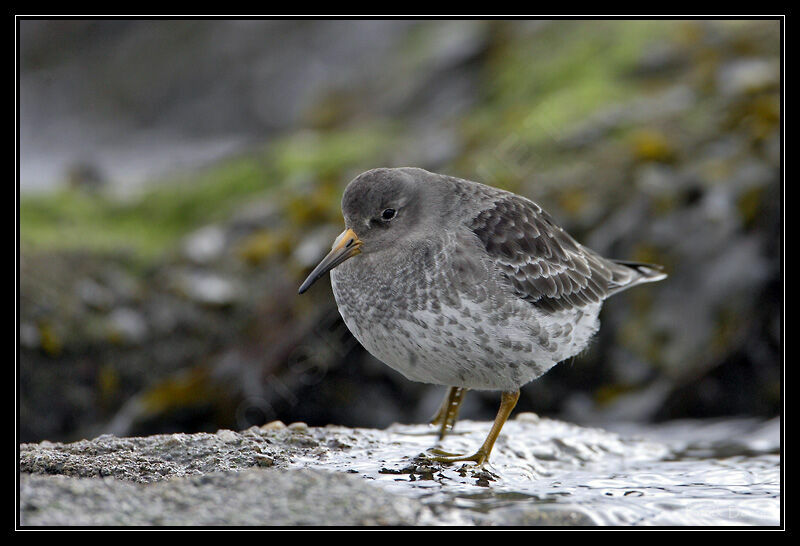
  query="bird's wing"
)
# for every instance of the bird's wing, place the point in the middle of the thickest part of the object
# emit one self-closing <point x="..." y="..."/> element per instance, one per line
<point x="544" y="264"/>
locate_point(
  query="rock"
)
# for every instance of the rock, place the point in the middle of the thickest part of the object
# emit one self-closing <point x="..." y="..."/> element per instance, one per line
<point x="29" y="335"/>
<point x="298" y="427"/>
<point x="205" y="245"/>
<point x="124" y="285"/>
<point x="147" y="459"/>
<point x="527" y="417"/>
<point x="274" y="425"/>
<point x="255" y="215"/>
<point x="253" y="497"/>
<point x="640" y="111"/>
<point x="748" y="76"/>
<point x="208" y="288"/>
<point x="660" y="60"/>
<point x="127" y="326"/>
<point x="569" y="475"/>
<point x="94" y="294"/>
<point x="314" y="247"/>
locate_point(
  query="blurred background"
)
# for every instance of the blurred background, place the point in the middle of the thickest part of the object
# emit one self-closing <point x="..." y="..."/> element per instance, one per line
<point x="179" y="179"/>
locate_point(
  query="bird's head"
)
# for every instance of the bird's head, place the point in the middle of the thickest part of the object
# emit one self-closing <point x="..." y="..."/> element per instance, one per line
<point x="380" y="207"/>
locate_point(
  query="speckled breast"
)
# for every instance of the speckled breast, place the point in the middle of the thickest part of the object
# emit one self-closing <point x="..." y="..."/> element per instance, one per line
<point x="437" y="320"/>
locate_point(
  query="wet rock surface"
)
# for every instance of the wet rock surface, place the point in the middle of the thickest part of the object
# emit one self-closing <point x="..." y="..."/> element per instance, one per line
<point x="543" y="472"/>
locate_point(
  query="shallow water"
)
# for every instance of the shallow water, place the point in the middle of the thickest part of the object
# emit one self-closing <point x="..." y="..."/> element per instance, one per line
<point x="684" y="473"/>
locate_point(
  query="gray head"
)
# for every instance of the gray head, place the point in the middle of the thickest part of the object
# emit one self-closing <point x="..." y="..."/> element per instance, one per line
<point x="382" y="206"/>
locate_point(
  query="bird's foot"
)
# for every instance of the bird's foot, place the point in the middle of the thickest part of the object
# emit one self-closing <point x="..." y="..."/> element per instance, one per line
<point x="480" y="457"/>
<point x="442" y="452"/>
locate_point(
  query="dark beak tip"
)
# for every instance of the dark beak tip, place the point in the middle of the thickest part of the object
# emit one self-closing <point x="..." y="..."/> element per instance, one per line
<point x="309" y="282"/>
<point x="304" y="287"/>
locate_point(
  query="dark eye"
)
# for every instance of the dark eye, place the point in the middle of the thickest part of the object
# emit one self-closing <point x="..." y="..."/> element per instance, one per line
<point x="388" y="214"/>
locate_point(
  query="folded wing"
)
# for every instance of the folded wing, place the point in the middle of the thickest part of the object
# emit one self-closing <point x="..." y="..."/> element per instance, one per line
<point x="544" y="264"/>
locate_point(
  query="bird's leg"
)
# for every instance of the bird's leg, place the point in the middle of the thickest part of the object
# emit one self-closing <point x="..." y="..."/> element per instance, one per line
<point x="507" y="402"/>
<point x="448" y="412"/>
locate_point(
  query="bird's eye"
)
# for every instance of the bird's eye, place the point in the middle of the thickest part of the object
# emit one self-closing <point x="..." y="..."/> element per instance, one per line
<point x="388" y="214"/>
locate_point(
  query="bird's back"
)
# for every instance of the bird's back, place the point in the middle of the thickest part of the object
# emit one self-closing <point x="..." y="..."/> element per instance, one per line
<point x="542" y="263"/>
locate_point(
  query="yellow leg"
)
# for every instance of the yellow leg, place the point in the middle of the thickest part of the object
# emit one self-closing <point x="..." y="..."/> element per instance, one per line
<point x="507" y="402"/>
<point x="448" y="412"/>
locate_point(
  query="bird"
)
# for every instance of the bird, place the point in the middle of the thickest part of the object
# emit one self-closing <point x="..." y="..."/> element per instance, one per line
<point x="457" y="283"/>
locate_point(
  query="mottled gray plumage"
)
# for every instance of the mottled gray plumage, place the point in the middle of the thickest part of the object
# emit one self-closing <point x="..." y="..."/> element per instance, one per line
<point x="467" y="285"/>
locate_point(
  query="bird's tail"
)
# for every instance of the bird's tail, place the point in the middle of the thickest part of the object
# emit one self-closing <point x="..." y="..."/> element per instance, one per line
<point x="628" y="274"/>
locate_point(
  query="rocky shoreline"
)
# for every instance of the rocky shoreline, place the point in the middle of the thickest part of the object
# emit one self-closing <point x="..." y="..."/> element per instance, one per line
<point x="335" y="476"/>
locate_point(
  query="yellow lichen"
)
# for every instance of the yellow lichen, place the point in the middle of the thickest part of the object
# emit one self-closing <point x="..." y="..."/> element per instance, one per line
<point x="573" y="201"/>
<point x="108" y="382"/>
<point x="50" y="341"/>
<point x="261" y="245"/>
<point x="652" y="145"/>
<point x="749" y="205"/>
<point x="185" y="389"/>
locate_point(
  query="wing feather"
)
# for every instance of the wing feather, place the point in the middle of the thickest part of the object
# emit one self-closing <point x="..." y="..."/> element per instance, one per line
<point x="544" y="264"/>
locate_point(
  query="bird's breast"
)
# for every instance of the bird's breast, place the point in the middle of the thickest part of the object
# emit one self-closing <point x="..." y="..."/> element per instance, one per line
<point x="452" y="324"/>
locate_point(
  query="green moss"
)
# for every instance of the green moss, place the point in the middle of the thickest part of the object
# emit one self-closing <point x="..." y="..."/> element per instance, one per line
<point x="326" y="155"/>
<point x="146" y="224"/>
<point x="550" y="80"/>
<point x="539" y="87"/>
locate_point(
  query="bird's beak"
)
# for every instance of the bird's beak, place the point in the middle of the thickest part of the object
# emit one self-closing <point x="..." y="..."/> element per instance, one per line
<point x="346" y="245"/>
